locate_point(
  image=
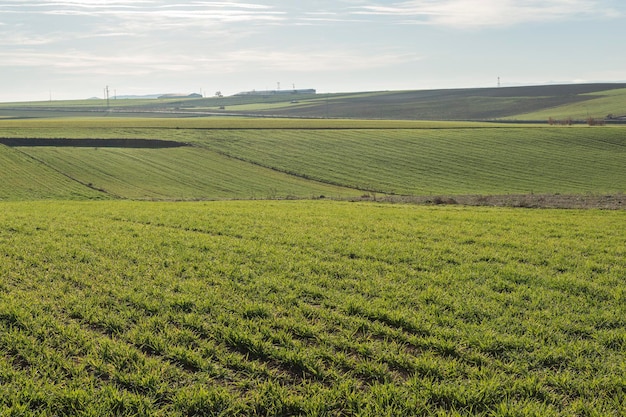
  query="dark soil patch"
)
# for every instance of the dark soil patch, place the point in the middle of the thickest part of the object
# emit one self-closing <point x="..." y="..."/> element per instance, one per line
<point x="93" y="143"/>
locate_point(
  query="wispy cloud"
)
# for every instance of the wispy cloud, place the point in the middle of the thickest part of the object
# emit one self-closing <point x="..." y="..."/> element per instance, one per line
<point x="124" y="9"/>
<point x="475" y="13"/>
<point x="319" y="61"/>
<point x="149" y="43"/>
<point x="81" y="62"/>
<point x="48" y="22"/>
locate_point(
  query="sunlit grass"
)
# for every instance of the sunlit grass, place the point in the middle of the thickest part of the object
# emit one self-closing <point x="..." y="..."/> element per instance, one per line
<point x="62" y="126"/>
<point x="440" y="161"/>
<point x="318" y="308"/>
<point x="611" y="102"/>
<point x="252" y="158"/>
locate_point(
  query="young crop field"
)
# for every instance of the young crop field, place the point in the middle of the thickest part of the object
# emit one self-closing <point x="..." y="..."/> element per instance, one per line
<point x="176" y="174"/>
<point x="128" y="127"/>
<point x="598" y="105"/>
<point x="496" y="160"/>
<point x="310" y="308"/>
<point x="249" y="158"/>
<point x="23" y="178"/>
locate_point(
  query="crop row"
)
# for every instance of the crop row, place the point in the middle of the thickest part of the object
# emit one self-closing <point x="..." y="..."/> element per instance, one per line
<point x="317" y="308"/>
<point x="260" y="163"/>
<point x="433" y="161"/>
<point x="180" y="174"/>
<point x="130" y="127"/>
<point x="22" y="177"/>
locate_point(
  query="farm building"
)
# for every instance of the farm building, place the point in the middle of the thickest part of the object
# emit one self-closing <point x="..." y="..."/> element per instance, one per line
<point x="192" y="95"/>
<point x="272" y="92"/>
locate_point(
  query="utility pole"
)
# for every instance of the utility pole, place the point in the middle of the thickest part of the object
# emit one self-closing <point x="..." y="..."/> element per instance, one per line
<point x="107" y="95"/>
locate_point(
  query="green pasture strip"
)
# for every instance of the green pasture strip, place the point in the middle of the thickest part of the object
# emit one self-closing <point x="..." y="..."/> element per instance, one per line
<point x="250" y="103"/>
<point x="440" y="161"/>
<point x="264" y="106"/>
<point x="66" y="126"/>
<point x="23" y="178"/>
<point x="310" y="308"/>
<point x="176" y="174"/>
<point x="262" y="100"/>
<point x="95" y="103"/>
<point x="612" y="102"/>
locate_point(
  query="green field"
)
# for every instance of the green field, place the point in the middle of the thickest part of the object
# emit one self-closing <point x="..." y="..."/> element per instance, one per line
<point x="150" y="303"/>
<point x="441" y="161"/>
<point x="599" y="105"/>
<point x="578" y="101"/>
<point x="310" y="308"/>
<point x="288" y="158"/>
<point x="176" y="174"/>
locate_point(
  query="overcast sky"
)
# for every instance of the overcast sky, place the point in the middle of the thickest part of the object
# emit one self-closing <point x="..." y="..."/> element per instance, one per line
<point x="72" y="49"/>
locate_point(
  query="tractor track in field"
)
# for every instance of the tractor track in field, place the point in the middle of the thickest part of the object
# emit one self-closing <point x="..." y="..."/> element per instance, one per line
<point x="66" y="175"/>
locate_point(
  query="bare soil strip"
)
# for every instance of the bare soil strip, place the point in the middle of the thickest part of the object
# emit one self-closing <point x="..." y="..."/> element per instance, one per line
<point x="92" y="143"/>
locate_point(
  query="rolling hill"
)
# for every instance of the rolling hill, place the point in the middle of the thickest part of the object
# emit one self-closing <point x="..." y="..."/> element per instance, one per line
<point x="313" y="307"/>
<point x="186" y="173"/>
<point x="578" y="101"/>
<point x="307" y="152"/>
<point x="269" y="158"/>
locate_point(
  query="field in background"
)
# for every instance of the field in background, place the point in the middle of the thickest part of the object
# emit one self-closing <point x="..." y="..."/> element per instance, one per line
<point x="440" y="161"/>
<point x="605" y="104"/>
<point x="578" y="101"/>
<point x="315" y="308"/>
<point x="311" y="307"/>
<point x="177" y="174"/>
<point x="286" y="158"/>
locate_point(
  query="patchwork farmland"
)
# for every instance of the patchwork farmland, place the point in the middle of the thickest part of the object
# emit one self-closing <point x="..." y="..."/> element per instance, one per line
<point x="230" y="266"/>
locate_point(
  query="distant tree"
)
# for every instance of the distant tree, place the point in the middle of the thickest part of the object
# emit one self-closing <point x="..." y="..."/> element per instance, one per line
<point x="218" y="94"/>
<point x="595" y="122"/>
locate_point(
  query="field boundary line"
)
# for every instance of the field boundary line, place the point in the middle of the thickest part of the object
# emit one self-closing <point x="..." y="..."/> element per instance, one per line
<point x="66" y="175"/>
<point x="290" y="173"/>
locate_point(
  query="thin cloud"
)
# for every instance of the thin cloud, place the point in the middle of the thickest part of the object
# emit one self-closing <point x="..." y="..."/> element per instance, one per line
<point x="18" y="39"/>
<point x="149" y="13"/>
<point x="77" y="62"/>
<point x="316" y="61"/>
<point x="157" y="20"/>
<point x="81" y="62"/>
<point x="190" y="16"/>
<point x="475" y="13"/>
<point x="330" y="20"/>
<point x="132" y="7"/>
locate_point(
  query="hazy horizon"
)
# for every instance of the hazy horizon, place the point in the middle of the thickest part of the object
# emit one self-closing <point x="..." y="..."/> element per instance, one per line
<point x="72" y="49"/>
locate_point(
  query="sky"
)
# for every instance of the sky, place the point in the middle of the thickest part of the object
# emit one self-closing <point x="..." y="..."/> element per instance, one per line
<point x="71" y="49"/>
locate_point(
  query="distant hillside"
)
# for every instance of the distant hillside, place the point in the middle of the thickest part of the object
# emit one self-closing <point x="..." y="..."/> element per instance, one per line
<point x="270" y="158"/>
<point x="578" y="101"/>
<point x="463" y="104"/>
